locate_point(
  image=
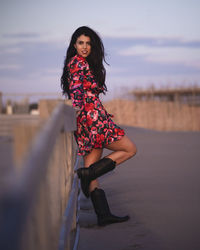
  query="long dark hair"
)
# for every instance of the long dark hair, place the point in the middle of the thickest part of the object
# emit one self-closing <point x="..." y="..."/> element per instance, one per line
<point x="95" y="59"/>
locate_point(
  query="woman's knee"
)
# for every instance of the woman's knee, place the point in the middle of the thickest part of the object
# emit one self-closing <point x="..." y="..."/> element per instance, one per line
<point x="132" y="150"/>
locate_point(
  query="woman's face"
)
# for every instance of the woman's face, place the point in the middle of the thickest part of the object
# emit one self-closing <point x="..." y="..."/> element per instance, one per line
<point x="83" y="46"/>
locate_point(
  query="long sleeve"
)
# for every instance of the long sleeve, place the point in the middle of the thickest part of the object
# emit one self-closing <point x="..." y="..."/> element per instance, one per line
<point x="83" y="88"/>
<point x="76" y="70"/>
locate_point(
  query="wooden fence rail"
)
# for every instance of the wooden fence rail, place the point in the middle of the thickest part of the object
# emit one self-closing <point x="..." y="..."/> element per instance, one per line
<point x="38" y="203"/>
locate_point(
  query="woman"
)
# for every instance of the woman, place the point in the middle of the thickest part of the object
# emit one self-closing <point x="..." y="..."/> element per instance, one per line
<point x="83" y="79"/>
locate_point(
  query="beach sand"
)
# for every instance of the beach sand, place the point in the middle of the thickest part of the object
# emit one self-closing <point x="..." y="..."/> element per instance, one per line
<point x="159" y="188"/>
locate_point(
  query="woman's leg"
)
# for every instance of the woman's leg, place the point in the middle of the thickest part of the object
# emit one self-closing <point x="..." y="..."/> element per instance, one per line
<point x="98" y="197"/>
<point x="89" y="159"/>
<point x="123" y="150"/>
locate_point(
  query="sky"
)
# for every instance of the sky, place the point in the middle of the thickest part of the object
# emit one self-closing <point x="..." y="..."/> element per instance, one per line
<point x="147" y="42"/>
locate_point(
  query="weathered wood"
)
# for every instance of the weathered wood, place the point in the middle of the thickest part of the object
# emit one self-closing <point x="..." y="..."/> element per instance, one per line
<point x="40" y="194"/>
<point x="69" y="223"/>
<point x="23" y="136"/>
<point x="46" y="107"/>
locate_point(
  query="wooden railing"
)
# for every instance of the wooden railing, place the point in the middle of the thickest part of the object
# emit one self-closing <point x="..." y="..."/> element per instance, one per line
<point x="38" y="202"/>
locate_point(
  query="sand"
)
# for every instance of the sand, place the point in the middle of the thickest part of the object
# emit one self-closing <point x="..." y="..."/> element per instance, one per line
<point x="159" y="188"/>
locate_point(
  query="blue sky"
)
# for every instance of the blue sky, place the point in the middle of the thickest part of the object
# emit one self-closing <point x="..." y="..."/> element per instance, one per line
<point x="147" y="42"/>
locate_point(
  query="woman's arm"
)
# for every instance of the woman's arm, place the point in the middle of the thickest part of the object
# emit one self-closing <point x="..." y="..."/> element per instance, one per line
<point x="76" y="84"/>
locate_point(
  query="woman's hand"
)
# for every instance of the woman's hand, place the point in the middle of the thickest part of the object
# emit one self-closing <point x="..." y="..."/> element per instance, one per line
<point x="78" y="111"/>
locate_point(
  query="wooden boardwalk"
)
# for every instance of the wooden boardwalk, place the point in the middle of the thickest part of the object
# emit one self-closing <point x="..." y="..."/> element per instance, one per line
<point x="38" y="187"/>
<point x="159" y="189"/>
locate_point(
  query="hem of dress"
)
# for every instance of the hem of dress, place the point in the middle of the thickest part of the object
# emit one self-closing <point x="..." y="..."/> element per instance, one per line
<point x="103" y="146"/>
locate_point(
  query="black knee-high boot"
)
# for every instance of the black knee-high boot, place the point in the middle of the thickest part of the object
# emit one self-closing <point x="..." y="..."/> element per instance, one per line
<point x="102" y="210"/>
<point x="94" y="171"/>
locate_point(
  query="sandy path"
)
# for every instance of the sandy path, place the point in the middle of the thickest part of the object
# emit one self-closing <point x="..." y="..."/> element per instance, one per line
<point x="159" y="189"/>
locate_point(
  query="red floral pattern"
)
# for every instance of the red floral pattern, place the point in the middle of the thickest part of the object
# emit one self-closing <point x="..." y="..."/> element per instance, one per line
<point x="95" y="128"/>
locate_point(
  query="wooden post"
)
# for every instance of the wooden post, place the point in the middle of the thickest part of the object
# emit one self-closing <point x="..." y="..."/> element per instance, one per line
<point x="23" y="135"/>
<point x="43" y="227"/>
<point x="46" y="107"/>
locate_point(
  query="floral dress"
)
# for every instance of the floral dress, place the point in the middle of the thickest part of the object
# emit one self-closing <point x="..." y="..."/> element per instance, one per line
<point x="95" y="128"/>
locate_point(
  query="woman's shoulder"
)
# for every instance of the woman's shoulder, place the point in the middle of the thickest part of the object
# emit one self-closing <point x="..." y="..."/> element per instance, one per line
<point x="78" y="61"/>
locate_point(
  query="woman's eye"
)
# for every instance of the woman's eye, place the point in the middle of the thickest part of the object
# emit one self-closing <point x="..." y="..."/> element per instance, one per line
<point x="81" y="43"/>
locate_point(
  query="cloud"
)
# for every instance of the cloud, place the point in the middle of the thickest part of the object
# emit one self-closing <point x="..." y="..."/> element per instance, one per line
<point x="29" y="35"/>
<point x="12" y="39"/>
<point x="120" y="42"/>
<point x="10" y="67"/>
<point x="11" y="50"/>
<point x="167" y="55"/>
<point x="36" y="64"/>
<point x="32" y="57"/>
<point x="152" y="55"/>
